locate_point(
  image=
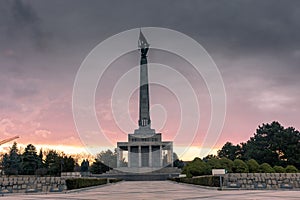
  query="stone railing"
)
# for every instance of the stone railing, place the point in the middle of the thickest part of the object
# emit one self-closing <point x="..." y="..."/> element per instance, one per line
<point x="26" y="184"/>
<point x="262" y="180"/>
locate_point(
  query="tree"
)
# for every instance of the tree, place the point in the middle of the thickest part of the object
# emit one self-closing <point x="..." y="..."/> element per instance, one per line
<point x="208" y="157"/>
<point x="108" y="158"/>
<point x="30" y="160"/>
<point x="259" y="146"/>
<point x="68" y="164"/>
<point x="226" y="164"/>
<point x="273" y="144"/>
<point x="214" y="163"/>
<point x="41" y="156"/>
<point x="42" y="170"/>
<point x="230" y="151"/>
<point x="176" y="162"/>
<point x="179" y="164"/>
<point x="84" y="167"/>
<point x="239" y="166"/>
<point x="98" y="167"/>
<point x="5" y="164"/>
<point x="53" y="162"/>
<point x="104" y="161"/>
<point x="12" y="162"/>
<point x="290" y="147"/>
<point x="253" y="166"/>
<point x="77" y="167"/>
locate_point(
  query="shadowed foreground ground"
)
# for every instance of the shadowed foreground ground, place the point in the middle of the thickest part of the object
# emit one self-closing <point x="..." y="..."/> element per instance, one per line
<point x="159" y="190"/>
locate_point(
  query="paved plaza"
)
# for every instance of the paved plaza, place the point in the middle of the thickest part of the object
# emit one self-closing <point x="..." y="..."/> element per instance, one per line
<point x="159" y="190"/>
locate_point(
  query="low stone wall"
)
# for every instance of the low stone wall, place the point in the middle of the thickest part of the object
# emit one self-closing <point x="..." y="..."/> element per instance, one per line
<point x="70" y="174"/>
<point x="262" y="180"/>
<point x="26" y="184"/>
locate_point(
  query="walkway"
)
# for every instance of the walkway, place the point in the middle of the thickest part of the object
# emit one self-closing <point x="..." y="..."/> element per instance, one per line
<point x="159" y="190"/>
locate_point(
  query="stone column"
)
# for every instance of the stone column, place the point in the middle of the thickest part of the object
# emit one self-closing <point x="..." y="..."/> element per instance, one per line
<point x="140" y="156"/>
<point x="121" y="164"/>
<point x="128" y="165"/>
<point x="150" y="156"/>
<point x="160" y="155"/>
<point x="118" y="157"/>
<point x="172" y="157"/>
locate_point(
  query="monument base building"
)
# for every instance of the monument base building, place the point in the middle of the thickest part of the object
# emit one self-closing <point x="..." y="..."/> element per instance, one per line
<point x="145" y="148"/>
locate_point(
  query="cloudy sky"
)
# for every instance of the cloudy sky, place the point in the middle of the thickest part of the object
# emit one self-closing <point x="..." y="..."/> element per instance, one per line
<point x="255" y="44"/>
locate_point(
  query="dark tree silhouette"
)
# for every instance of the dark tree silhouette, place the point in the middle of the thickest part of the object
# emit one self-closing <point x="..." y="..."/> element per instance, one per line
<point x="230" y="151"/>
<point x="30" y="160"/>
<point x="11" y="162"/>
<point x="274" y="144"/>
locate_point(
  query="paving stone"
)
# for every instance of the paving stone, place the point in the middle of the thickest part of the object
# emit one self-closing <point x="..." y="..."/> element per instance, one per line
<point x="149" y="190"/>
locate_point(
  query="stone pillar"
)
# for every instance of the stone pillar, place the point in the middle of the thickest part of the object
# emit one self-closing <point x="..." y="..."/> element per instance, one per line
<point x="160" y="156"/>
<point x="128" y="165"/>
<point x="121" y="164"/>
<point x="140" y="156"/>
<point x="172" y="157"/>
<point x="150" y="156"/>
<point x="118" y="157"/>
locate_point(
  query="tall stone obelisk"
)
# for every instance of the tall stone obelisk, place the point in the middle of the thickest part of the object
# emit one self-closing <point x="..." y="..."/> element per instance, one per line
<point x="144" y="147"/>
<point x="144" y="114"/>
<point x="144" y="99"/>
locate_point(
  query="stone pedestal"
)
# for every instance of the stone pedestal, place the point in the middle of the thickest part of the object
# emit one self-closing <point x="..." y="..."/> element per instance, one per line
<point x="145" y="150"/>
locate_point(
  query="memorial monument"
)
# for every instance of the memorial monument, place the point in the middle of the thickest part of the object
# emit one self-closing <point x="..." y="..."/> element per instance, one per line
<point x="145" y="148"/>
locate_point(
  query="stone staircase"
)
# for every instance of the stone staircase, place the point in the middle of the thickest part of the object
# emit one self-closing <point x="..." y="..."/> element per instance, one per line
<point x="141" y="174"/>
<point x="143" y="170"/>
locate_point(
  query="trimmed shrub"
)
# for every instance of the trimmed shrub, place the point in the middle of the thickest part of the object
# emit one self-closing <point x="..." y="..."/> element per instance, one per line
<point x="253" y="166"/>
<point x="279" y="169"/>
<point x="214" y="163"/>
<point x="75" y="183"/>
<point x="291" y="169"/>
<point x="239" y="166"/>
<point x="196" y="168"/>
<point x="266" y="168"/>
<point x="226" y="164"/>
<point x="211" y="181"/>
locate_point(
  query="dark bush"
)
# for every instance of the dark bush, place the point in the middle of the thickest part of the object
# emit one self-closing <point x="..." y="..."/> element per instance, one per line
<point x="197" y="168"/>
<point x="239" y="166"/>
<point x="76" y="183"/>
<point x="226" y="164"/>
<point x="266" y="168"/>
<point x="212" y="181"/>
<point x="253" y="166"/>
<point x="214" y="163"/>
<point x="279" y="169"/>
<point x="291" y="169"/>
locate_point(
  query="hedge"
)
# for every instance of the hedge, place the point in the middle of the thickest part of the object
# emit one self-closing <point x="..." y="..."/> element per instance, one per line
<point x="211" y="181"/>
<point x="279" y="169"/>
<point x="291" y="169"/>
<point x="266" y="168"/>
<point x="76" y="183"/>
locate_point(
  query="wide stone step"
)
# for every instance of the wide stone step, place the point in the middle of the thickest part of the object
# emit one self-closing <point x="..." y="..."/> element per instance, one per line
<point x="132" y="170"/>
